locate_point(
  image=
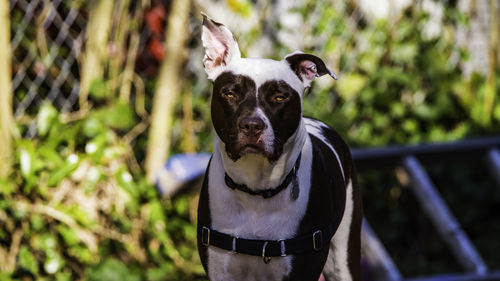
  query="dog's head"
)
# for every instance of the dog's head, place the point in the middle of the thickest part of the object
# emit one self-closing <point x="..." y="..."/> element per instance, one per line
<point x="256" y="103"/>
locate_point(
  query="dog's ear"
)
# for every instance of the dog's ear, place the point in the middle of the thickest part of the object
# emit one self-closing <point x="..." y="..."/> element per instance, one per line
<point x="220" y="47"/>
<point x="307" y="67"/>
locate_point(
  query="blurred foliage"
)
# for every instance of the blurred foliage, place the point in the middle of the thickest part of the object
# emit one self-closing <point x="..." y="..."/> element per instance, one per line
<point x="75" y="210"/>
<point x="77" y="205"/>
<point x="400" y="86"/>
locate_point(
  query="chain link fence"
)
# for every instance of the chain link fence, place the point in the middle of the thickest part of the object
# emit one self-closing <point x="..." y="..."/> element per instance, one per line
<point x="47" y="40"/>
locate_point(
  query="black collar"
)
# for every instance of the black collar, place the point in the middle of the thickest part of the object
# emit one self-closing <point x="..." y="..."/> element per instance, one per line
<point x="265" y="193"/>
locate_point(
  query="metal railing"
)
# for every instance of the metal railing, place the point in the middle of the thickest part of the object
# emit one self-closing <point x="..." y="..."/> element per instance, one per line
<point x="433" y="205"/>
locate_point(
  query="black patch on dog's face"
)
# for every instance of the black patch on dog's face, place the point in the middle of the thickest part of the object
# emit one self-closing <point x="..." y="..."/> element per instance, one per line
<point x="282" y="106"/>
<point x="234" y="98"/>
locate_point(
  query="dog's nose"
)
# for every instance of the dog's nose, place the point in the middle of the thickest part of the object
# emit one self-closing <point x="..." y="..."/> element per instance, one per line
<point x="252" y="125"/>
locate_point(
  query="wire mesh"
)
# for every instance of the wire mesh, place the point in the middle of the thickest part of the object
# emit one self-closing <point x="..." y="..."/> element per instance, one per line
<point x="47" y="39"/>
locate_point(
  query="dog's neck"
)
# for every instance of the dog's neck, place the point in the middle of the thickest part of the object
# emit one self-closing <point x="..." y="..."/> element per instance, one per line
<point x="255" y="171"/>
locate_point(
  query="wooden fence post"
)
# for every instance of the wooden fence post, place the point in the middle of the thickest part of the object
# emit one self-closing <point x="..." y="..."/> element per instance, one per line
<point x="97" y="34"/>
<point x="167" y="89"/>
<point x="6" y="119"/>
<point x="491" y="88"/>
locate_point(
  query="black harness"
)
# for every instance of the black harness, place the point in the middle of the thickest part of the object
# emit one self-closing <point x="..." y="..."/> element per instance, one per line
<point x="268" y="248"/>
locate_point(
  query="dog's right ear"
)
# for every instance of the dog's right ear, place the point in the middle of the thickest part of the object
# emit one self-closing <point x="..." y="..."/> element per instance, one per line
<point x="307" y="67"/>
<point x="220" y="47"/>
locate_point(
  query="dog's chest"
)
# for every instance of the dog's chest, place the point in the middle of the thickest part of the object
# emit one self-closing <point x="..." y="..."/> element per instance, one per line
<point x="253" y="217"/>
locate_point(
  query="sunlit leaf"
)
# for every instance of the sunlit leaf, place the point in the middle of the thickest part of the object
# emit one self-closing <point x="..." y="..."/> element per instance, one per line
<point x="26" y="160"/>
<point x="52" y="265"/>
<point x="125" y="180"/>
<point x="242" y="7"/>
<point x="45" y="118"/>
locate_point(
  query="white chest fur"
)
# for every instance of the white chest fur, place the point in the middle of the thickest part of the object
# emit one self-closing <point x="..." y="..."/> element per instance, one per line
<point x="253" y="217"/>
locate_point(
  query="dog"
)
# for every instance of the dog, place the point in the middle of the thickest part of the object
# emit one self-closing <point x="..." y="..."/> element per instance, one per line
<point x="280" y="197"/>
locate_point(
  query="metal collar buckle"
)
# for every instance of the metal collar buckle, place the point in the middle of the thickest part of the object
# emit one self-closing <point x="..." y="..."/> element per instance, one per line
<point x="282" y="248"/>
<point x="264" y="258"/>
<point x="317" y="240"/>
<point x="205" y="236"/>
<point x="233" y="248"/>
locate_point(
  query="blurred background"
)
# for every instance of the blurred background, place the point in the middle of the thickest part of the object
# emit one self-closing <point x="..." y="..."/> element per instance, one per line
<point x="96" y="95"/>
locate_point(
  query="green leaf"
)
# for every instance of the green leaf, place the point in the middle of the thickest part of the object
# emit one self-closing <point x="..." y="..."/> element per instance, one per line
<point x="118" y="116"/>
<point x="350" y="85"/>
<point x="27" y="260"/>
<point x="26" y="162"/>
<point x="397" y="110"/>
<point x="160" y="274"/>
<point x="83" y="254"/>
<point x="68" y="234"/>
<point x="4" y="276"/>
<point x="404" y="53"/>
<point x="426" y="112"/>
<point x="242" y="7"/>
<point x="369" y="61"/>
<point x="125" y="180"/>
<point x="53" y="264"/>
<point x="79" y="215"/>
<point x="6" y="187"/>
<point x="37" y="222"/>
<point x="156" y="212"/>
<point x="45" y="118"/>
<point x="92" y="126"/>
<point x="62" y="172"/>
<point x="410" y="126"/>
<point x="496" y="112"/>
<point x="51" y="157"/>
<point x="181" y="205"/>
<point x="63" y="276"/>
<point x="99" y="89"/>
<point x="112" y="270"/>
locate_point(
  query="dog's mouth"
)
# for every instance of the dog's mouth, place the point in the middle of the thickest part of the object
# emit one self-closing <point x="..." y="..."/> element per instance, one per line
<point x="252" y="148"/>
<point x="251" y="144"/>
<point x="246" y="147"/>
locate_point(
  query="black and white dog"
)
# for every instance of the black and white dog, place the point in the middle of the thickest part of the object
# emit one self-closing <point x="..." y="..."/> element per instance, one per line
<point x="280" y="197"/>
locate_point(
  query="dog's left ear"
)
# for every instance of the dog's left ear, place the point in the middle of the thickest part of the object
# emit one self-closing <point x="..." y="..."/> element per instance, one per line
<point x="307" y="67"/>
<point x="220" y="47"/>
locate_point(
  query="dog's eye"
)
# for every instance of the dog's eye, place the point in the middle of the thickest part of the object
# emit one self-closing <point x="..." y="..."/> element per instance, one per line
<point x="280" y="98"/>
<point x="228" y="94"/>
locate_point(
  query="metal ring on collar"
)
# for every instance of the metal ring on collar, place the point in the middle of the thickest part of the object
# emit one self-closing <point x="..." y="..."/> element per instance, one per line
<point x="205" y="230"/>
<point x="264" y="258"/>
<point x="317" y="240"/>
<point x="282" y="247"/>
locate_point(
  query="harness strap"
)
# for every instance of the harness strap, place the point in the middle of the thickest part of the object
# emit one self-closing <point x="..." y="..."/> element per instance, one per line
<point x="314" y="241"/>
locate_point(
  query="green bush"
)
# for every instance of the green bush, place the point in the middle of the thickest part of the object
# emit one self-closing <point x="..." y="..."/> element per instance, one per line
<point x="399" y="85"/>
<point x="73" y="209"/>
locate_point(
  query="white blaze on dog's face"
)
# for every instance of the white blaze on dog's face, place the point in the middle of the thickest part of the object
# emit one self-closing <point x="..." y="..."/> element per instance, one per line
<point x="256" y="103"/>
